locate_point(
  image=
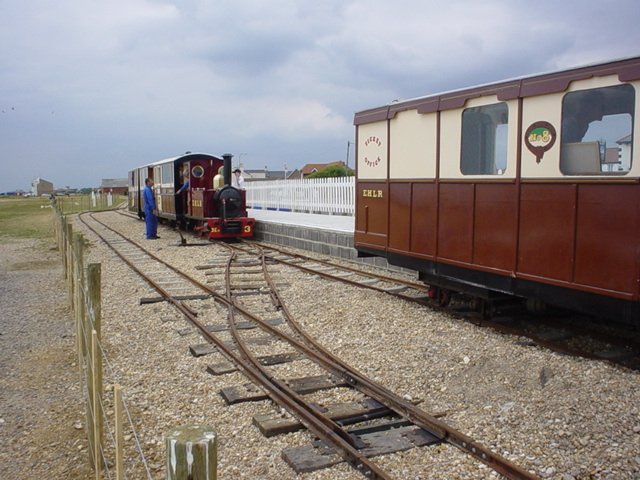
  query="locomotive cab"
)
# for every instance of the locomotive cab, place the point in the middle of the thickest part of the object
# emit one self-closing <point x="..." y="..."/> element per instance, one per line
<point x="229" y="218"/>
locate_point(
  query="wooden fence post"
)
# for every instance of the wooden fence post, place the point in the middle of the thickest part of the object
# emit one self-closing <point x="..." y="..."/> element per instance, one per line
<point x="94" y="324"/>
<point x="96" y="424"/>
<point x="192" y="453"/>
<point x="78" y="286"/>
<point x="118" y="415"/>
<point x="63" y="244"/>
<point x="69" y="260"/>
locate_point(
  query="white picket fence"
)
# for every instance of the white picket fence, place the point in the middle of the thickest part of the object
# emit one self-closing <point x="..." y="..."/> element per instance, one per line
<point x="331" y="196"/>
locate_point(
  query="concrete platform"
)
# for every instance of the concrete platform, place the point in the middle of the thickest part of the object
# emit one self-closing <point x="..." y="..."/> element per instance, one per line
<point x="337" y="223"/>
<point x="324" y="234"/>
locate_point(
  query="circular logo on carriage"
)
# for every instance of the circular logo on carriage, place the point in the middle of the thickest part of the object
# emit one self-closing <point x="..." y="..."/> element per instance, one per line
<point x="539" y="138"/>
<point x="372" y="151"/>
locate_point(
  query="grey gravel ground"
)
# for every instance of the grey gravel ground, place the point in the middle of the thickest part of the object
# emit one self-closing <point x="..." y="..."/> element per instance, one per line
<point x="560" y="417"/>
<point x="41" y="414"/>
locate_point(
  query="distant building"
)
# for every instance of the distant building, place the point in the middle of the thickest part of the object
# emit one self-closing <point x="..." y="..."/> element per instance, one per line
<point x="310" y="168"/>
<point x="41" y="187"/>
<point x="624" y="153"/>
<point x="261" y="175"/>
<point x="117" y="186"/>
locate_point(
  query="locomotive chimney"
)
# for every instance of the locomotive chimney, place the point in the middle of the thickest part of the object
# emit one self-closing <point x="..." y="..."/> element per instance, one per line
<point x="227" y="168"/>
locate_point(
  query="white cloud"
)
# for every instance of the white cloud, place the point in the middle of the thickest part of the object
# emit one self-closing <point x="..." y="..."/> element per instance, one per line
<point x="281" y="79"/>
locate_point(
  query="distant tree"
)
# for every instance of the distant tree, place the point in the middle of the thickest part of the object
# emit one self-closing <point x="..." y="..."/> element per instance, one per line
<point x="332" y="171"/>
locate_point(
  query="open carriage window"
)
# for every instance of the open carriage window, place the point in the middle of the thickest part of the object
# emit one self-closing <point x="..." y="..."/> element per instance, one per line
<point x="484" y="140"/>
<point x="597" y="131"/>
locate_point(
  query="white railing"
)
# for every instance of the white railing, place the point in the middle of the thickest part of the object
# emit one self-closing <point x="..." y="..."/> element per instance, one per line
<point x="331" y="196"/>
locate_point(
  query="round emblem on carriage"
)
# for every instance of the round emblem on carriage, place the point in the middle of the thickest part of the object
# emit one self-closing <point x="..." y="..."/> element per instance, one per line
<point x="372" y="154"/>
<point x="539" y="138"/>
<point x="372" y="151"/>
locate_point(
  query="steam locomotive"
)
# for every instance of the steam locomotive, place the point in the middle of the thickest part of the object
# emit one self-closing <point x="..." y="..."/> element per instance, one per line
<point x="187" y="195"/>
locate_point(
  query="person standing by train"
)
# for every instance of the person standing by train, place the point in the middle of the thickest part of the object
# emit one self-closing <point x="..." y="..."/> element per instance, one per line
<point x="185" y="179"/>
<point x="150" y="210"/>
<point x="237" y="180"/>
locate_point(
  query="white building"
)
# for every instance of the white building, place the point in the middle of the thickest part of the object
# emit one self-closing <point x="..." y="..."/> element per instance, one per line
<point x="625" y="153"/>
<point x="41" y="187"/>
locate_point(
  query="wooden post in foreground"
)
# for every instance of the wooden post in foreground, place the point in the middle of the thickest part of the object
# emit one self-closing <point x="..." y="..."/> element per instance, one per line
<point x="192" y="453"/>
<point x="119" y="419"/>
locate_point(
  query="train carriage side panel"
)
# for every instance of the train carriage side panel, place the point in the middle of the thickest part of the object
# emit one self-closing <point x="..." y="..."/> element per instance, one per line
<point x="412" y="173"/>
<point x="496" y="226"/>
<point x="455" y="226"/>
<point x="477" y="219"/>
<point x="424" y="218"/>
<point x="165" y="190"/>
<point x="554" y="216"/>
<point x="579" y="225"/>
<point x="608" y="225"/>
<point x="547" y="215"/>
<point x="133" y="204"/>
<point x="372" y="193"/>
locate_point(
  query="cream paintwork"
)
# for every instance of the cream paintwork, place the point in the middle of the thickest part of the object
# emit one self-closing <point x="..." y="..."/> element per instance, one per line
<point x="534" y="109"/>
<point x="413" y="140"/>
<point x="549" y="108"/>
<point x="372" y="151"/>
<point x="413" y="146"/>
<point x="451" y="136"/>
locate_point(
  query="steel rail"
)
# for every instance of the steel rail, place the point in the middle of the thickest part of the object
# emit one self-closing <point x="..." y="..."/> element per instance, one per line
<point x="325" y="427"/>
<point x="415" y="286"/>
<point x="356" y="379"/>
<point x="309" y="417"/>
<point x="403" y="407"/>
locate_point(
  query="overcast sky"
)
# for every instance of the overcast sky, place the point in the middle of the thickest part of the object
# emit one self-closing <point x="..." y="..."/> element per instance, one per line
<point x="90" y="89"/>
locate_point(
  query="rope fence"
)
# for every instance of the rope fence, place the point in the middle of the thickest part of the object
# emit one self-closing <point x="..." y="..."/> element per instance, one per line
<point x="115" y="450"/>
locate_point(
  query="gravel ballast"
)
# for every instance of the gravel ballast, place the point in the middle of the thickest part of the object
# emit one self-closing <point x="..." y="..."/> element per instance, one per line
<point x="557" y="416"/>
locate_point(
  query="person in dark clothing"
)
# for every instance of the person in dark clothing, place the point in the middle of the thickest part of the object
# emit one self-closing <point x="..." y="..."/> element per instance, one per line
<point x="150" y="210"/>
<point x="579" y="114"/>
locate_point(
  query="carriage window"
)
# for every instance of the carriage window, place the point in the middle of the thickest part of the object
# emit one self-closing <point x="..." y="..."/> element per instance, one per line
<point x="597" y="131"/>
<point x="197" y="171"/>
<point x="167" y="173"/>
<point x="484" y="140"/>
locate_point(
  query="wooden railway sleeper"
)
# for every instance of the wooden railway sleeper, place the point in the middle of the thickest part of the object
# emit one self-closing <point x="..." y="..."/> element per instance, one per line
<point x="332" y="364"/>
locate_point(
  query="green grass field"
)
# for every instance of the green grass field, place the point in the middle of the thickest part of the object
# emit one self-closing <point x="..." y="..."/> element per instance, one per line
<point x="33" y="217"/>
<point x="26" y="217"/>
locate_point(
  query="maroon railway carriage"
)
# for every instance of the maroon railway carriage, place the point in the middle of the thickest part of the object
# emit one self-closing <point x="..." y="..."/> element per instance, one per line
<point x="217" y="212"/>
<point x="529" y="187"/>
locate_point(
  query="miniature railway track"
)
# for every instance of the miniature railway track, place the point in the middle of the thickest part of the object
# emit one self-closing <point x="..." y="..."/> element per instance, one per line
<point x="567" y="333"/>
<point x="395" y="286"/>
<point x="248" y="273"/>
<point x="571" y="334"/>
